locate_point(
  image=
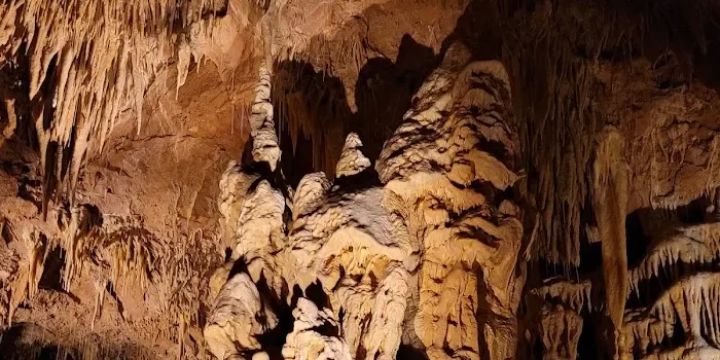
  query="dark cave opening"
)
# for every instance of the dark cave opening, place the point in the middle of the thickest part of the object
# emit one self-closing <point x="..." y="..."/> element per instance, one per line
<point x="314" y="112"/>
<point x="637" y="241"/>
<point x="51" y="278"/>
<point x="588" y="346"/>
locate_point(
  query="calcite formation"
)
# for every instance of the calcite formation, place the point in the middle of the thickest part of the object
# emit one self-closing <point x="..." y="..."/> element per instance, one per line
<point x="433" y="230"/>
<point x="366" y="179"/>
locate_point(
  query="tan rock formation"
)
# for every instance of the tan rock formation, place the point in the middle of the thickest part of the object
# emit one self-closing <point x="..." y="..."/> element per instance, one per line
<point x="439" y="175"/>
<point x="307" y="340"/>
<point x="367" y="179"/>
<point x="238" y="318"/>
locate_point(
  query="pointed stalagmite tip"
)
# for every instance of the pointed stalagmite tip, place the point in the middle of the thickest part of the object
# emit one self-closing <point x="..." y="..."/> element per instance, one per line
<point x="352" y="160"/>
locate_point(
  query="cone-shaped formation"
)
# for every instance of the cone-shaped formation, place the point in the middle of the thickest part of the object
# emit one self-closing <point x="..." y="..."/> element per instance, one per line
<point x="310" y="194"/>
<point x="254" y="228"/>
<point x="238" y="318"/>
<point x="352" y="161"/>
<point x="610" y="197"/>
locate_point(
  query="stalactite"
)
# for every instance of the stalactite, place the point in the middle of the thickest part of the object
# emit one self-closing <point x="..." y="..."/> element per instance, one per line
<point x="73" y="243"/>
<point x="575" y="295"/>
<point x="692" y="244"/>
<point x="691" y="303"/>
<point x="7" y="130"/>
<point x="37" y="246"/>
<point x="610" y="196"/>
<point x="101" y="62"/>
<point x="12" y="284"/>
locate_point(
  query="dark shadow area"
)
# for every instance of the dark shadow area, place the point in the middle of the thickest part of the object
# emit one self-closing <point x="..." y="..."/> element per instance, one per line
<point x="480" y="29"/>
<point x="23" y="341"/>
<point x="384" y="90"/>
<point x="594" y="341"/>
<point x="311" y="108"/>
<point x="406" y="352"/>
<point x="637" y="241"/>
<point x="313" y="116"/>
<point x="310" y="114"/>
<point x="51" y="278"/>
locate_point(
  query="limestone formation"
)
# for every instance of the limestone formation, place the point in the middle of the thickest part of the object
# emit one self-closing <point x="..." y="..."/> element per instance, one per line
<point x="360" y="244"/>
<point x="366" y="179"/>
<point x="314" y="335"/>
<point x="352" y="161"/>
<point x="453" y="186"/>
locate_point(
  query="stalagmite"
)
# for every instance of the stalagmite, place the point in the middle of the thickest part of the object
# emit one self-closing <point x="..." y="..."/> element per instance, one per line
<point x="253" y="225"/>
<point x="262" y="125"/>
<point x="431" y="163"/>
<point x="359" y="252"/>
<point x="261" y="233"/>
<point x="234" y="187"/>
<point x="310" y="194"/>
<point x="238" y="318"/>
<point x="352" y="161"/>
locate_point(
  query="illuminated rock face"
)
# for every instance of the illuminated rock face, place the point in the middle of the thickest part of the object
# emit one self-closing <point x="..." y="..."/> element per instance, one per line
<point x="434" y="231"/>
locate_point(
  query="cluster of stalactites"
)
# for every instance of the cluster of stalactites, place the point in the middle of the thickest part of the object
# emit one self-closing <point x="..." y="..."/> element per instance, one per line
<point x="104" y="55"/>
<point x="690" y="304"/>
<point x="561" y="305"/>
<point x="114" y="254"/>
<point x="674" y="262"/>
<point x="694" y="244"/>
<point x="681" y="258"/>
<point x="20" y="278"/>
<point x="575" y="295"/>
